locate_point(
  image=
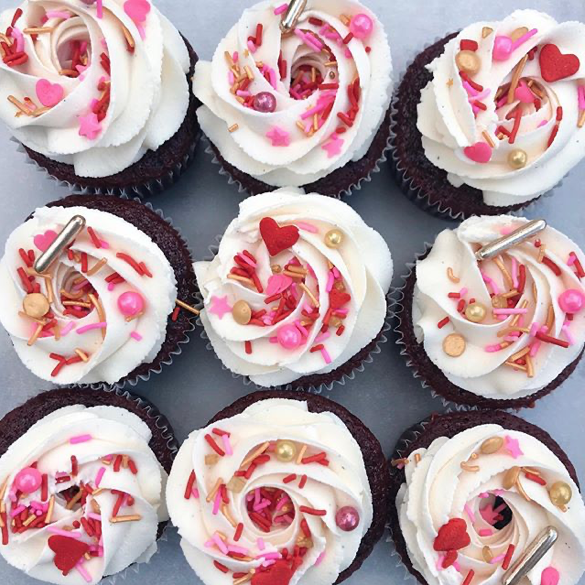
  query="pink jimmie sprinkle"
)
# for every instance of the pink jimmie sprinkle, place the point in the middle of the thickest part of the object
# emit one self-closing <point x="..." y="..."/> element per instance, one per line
<point x="320" y="559"/>
<point x="136" y="335"/>
<point x="17" y="511"/>
<point x="99" y="476"/>
<point x="484" y="495"/>
<point x="309" y="40"/>
<point x="323" y="337"/>
<point x="330" y="282"/>
<point x="515" y="273"/>
<point x="281" y="9"/>
<point x="572" y="259"/>
<point x="217" y="503"/>
<point x="231" y="78"/>
<point x="80" y="439"/>
<point x="582" y="97"/>
<point x="67" y="329"/>
<point x="534" y="328"/>
<point x="326" y="356"/>
<point x="534" y="349"/>
<point x="17" y="34"/>
<point x="491" y="283"/>
<point x="493" y="348"/>
<point x="93" y="516"/>
<point x="100" y="8"/>
<point x="92" y="326"/>
<point x="439" y="564"/>
<point x="65" y="533"/>
<point x="486" y="532"/>
<point x="235" y="57"/>
<point x="247" y="260"/>
<point x="268" y="563"/>
<point x="105" y="245"/>
<point x="195" y="493"/>
<point x="252" y="47"/>
<point x="510" y="311"/>
<point x="227" y="445"/>
<point x="269" y="556"/>
<point x="497" y="559"/>
<point x="260" y="543"/>
<point x="220" y="544"/>
<point x="463" y="292"/>
<point x="469" y="512"/>
<point x="302" y="329"/>
<point x="58" y="14"/>
<point x="83" y="572"/>
<point x="308" y="227"/>
<point x="567" y="333"/>
<point x="240" y="550"/>
<point x="274" y="340"/>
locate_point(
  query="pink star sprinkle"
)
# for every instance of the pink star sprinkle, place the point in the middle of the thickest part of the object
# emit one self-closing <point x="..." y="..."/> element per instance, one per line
<point x="89" y="126"/>
<point x="333" y="147"/>
<point x="220" y="306"/>
<point x="513" y="447"/>
<point x="278" y="136"/>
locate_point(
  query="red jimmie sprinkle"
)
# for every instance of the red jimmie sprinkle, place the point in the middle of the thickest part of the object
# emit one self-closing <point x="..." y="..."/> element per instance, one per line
<point x="314" y="458"/>
<point x="553" y="340"/>
<point x="118" y="504"/>
<point x="211" y="441"/>
<point x="305" y="528"/>
<point x="221" y="567"/>
<point x="535" y="478"/>
<point x="83" y="262"/>
<point x="175" y="314"/>
<point x="239" y="530"/>
<point x="132" y="466"/>
<point x="25" y="280"/>
<point x="303" y="482"/>
<point x="548" y="262"/>
<point x="522" y="278"/>
<point x="469" y="577"/>
<point x="129" y="260"/>
<point x="312" y="511"/>
<point x="508" y="557"/>
<point x="25" y="258"/>
<point x="443" y="322"/>
<point x="248" y="346"/>
<point x="74" y="466"/>
<point x="96" y="241"/>
<point x="468" y="45"/>
<point x="290" y="478"/>
<point x="117" y="463"/>
<point x="44" y="487"/>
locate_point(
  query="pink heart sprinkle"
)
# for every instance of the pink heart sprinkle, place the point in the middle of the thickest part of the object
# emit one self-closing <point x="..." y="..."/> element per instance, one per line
<point x="480" y="152"/>
<point x="278" y="283"/>
<point x="550" y="576"/>
<point x="49" y="94"/>
<point x="43" y="241"/>
<point x="137" y="10"/>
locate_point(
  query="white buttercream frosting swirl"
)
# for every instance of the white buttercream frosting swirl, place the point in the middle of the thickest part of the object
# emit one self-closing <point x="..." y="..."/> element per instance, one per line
<point x="270" y="145"/>
<point x="493" y="343"/>
<point x="96" y="437"/>
<point x="341" y="482"/>
<point x="92" y="276"/>
<point x="107" y="80"/>
<point x="439" y="490"/>
<point x="550" y="131"/>
<point x="334" y="302"/>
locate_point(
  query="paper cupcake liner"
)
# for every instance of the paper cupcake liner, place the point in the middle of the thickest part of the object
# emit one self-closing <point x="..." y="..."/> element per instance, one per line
<point x="344" y="376"/>
<point x="131" y="382"/>
<point x="173" y="445"/>
<point x="416" y="194"/>
<point x="357" y="185"/>
<point x="147" y="189"/>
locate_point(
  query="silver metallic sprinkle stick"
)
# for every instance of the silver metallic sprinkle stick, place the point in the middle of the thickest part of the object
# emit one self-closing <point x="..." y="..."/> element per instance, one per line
<point x="65" y="237"/>
<point x="295" y="9"/>
<point x="531" y="556"/>
<point x="516" y="237"/>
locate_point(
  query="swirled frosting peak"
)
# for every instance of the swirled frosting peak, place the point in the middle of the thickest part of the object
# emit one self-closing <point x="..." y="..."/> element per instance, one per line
<point x="297" y="287"/>
<point x="506" y="327"/>
<point x="290" y="109"/>
<point x="267" y="494"/>
<point x="99" y="311"/>
<point x="94" y="84"/>
<point x="473" y="504"/>
<point x="505" y="110"/>
<point x="81" y="496"/>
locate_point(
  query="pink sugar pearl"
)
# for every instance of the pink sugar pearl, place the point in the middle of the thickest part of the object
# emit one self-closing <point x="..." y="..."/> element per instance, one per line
<point x="361" y="26"/>
<point x="289" y="337"/>
<point x="347" y="518"/>
<point x="131" y="304"/>
<point x="28" y="480"/>
<point x="572" y="301"/>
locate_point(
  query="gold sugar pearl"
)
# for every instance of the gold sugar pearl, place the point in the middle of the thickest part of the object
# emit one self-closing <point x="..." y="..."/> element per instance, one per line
<point x="334" y="238"/>
<point x="36" y="305"/>
<point x="335" y="321"/>
<point x="468" y="62"/>
<point x="211" y="459"/>
<point x="454" y="345"/>
<point x="475" y="312"/>
<point x="242" y="313"/>
<point x="499" y="302"/>
<point x="286" y="451"/>
<point x="518" y="159"/>
<point x="491" y="446"/>
<point x="511" y="478"/>
<point x="519" y="32"/>
<point x="487" y="554"/>
<point x="560" y="494"/>
<point x="276" y="268"/>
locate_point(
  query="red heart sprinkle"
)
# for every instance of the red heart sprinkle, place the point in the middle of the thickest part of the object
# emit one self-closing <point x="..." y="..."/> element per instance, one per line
<point x="555" y="66"/>
<point x="450" y="558"/>
<point x="278" y="239"/>
<point x="337" y="299"/>
<point x="278" y="574"/>
<point x="68" y="552"/>
<point x="452" y="536"/>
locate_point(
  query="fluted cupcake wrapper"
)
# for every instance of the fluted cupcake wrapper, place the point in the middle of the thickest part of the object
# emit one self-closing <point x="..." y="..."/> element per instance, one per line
<point x="406" y="182"/>
<point x="342" y="375"/>
<point x="141" y="191"/>
<point x="356" y="185"/>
